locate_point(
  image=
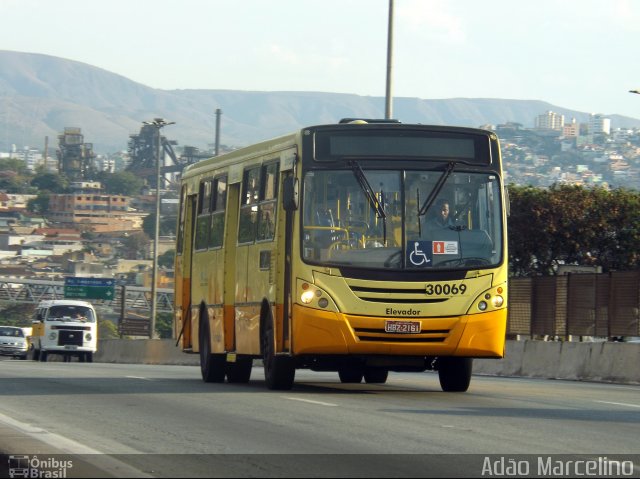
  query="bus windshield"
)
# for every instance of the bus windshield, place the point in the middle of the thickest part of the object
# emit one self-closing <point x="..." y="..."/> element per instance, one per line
<point x="439" y="219"/>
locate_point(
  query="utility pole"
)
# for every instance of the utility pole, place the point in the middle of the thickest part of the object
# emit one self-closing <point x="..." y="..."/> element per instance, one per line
<point x="218" y="115"/>
<point x="388" y="105"/>
<point x="157" y="123"/>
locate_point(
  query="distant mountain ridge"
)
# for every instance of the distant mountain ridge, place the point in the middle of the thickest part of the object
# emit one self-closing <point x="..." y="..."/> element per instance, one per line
<point x="40" y="95"/>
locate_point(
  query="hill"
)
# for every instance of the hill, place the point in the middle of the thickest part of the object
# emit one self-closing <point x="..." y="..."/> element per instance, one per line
<point x="40" y="95"/>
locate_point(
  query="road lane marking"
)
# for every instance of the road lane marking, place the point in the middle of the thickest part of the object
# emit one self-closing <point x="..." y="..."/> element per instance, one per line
<point x="65" y="445"/>
<point x="319" y="403"/>
<point x="139" y="377"/>
<point x="619" y="404"/>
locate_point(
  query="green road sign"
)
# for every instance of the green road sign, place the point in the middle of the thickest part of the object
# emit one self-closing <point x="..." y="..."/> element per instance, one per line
<point x="89" y="288"/>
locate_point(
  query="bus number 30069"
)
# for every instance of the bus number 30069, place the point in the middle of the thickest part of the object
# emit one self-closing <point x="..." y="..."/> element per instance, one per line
<point x="446" y="289"/>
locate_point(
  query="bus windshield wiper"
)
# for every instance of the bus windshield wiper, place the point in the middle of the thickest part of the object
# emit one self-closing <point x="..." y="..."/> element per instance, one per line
<point x="367" y="189"/>
<point x="376" y="204"/>
<point x="437" y="188"/>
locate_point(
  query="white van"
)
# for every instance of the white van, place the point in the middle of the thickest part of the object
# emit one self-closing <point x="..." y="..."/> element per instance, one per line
<point x="65" y="327"/>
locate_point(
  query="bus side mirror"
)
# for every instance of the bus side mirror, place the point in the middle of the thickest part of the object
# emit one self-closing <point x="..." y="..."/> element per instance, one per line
<point x="290" y="193"/>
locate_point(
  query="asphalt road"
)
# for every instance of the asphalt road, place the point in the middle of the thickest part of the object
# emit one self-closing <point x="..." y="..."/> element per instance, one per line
<point x="116" y="420"/>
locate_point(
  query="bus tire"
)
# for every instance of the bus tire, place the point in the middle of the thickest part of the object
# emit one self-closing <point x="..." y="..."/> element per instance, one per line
<point x="88" y="357"/>
<point x="455" y="373"/>
<point x="43" y="356"/>
<point x="350" y="375"/>
<point x="279" y="371"/>
<point x="240" y="371"/>
<point x="35" y="354"/>
<point x="212" y="366"/>
<point x="375" y="375"/>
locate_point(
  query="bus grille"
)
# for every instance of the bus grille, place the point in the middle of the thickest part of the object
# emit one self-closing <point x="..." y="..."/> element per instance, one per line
<point x="379" y="335"/>
<point x="393" y="294"/>
<point x="70" y="338"/>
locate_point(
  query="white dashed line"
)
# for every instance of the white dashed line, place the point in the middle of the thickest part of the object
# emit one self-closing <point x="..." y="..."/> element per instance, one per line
<point x="319" y="403"/>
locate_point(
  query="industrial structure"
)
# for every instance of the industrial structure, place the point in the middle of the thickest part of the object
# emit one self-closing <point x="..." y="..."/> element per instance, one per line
<point x="142" y="154"/>
<point x="75" y="157"/>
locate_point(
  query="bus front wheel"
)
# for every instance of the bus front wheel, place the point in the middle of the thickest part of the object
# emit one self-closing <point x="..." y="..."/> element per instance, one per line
<point x="455" y="373"/>
<point x="279" y="371"/>
<point x="350" y="375"/>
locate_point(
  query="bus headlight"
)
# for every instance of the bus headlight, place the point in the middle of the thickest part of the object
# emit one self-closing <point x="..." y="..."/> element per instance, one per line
<point x="53" y="335"/>
<point x="314" y="296"/>
<point x="88" y="337"/>
<point x="307" y="296"/>
<point x="489" y="300"/>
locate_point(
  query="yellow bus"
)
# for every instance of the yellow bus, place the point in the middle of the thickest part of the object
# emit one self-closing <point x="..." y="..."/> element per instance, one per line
<point x="361" y="247"/>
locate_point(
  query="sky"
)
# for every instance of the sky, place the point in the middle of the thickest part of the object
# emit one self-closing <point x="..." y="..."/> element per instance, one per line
<point x="576" y="54"/>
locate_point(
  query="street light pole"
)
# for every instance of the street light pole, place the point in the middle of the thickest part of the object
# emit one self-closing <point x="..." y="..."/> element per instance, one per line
<point x="157" y="123"/>
<point x="388" y="103"/>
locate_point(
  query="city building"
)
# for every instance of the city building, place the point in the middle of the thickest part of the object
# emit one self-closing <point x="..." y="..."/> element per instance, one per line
<point x="599" y="124"/>
<point x="550" y="121"/>
<point x="92" y="210"/>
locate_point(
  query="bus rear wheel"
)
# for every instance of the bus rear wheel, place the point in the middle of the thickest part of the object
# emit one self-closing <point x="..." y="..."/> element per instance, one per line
<point x="212" y="366"/>
<point x="455" y="373"/>
<point x="279" y="371"/>
<point x="376" y="375"/>
<point x="240" y="370"/>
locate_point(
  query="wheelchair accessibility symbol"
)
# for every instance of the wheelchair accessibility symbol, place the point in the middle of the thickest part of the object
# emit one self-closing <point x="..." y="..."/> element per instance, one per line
<point x="419" y="253"/>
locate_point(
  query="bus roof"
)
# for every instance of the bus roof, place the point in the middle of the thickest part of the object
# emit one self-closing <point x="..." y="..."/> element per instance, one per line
<point x="281" y="143"/>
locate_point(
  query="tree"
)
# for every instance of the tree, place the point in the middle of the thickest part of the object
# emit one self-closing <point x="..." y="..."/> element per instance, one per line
<point x="107" y="330"/>
<point x="167" y="225"/>
<point x="16" y="165"/>
<point x="17" y="314"/>
<point x="40" y="204"/>
<point x="121" y="183"/>
<point x="167" y="258"/>
<point x="12" y="182"/>
<point x="572" y="225"/>
<point x="135" y="245"/>
<point x="51" y="182"/>
<point x="164" y="325"/>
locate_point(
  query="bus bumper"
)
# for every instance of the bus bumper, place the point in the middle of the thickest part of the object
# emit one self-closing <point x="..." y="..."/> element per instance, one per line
<point x="324" y="332"/>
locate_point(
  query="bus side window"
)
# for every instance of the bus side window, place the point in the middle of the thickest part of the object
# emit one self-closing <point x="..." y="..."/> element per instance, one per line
<point x="219" y="205"/>
<point x="181" y="216"/>
<point x="249" y="205"/>
<point x="268" y="202"/>
<point x="204" y="218"/>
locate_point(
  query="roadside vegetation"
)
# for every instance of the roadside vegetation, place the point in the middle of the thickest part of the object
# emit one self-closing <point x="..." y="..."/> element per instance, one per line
<point x="573" y="225"/>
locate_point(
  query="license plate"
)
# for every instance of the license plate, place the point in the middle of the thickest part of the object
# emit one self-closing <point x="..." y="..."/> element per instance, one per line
<point x="404" y="327"/>
<point x="69" y="346"/>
